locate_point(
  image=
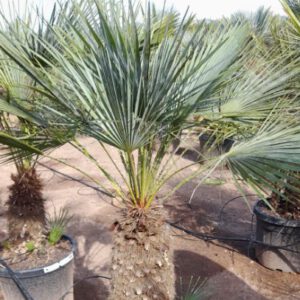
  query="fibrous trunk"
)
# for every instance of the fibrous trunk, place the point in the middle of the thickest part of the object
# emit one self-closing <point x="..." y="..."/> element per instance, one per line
<point x="26" y="211"/>
<point x="142" y="263"/>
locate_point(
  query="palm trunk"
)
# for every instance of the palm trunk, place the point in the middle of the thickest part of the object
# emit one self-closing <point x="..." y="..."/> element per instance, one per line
<point x="142" y="262"/>
<point x="26" y="211"/>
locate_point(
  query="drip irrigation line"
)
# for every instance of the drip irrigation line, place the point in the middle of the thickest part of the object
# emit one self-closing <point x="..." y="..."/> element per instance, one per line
<point x="17" y="281"/>
<point x="208" y="238"/>
<point x="229" y="201"/>
<point x="77" y="180"/>
<point x="250" y="245"/>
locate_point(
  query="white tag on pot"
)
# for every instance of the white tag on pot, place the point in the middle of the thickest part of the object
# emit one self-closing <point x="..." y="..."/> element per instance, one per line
<point x="51" y="268"/>
<point x="67" y="259"/>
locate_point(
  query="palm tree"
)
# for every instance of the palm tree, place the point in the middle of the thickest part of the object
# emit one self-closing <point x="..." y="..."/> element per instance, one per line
<point x="111" y="80"/>
<point x="26" y="211"/>
<point x="26" y="214"/>
<point x="117" y="85"/>
<point x="243" y="115"/>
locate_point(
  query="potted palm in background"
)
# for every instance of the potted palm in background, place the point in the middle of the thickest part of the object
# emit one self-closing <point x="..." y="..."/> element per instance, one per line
<point x="278" y="220"/>
<point x="26" y="215"/>
<point x="28" y="228"/>
<point x="278" y="215"/>
<point x="112" y="81"/>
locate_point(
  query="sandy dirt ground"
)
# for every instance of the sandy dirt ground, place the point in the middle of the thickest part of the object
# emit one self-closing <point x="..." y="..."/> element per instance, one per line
<point x="227" y="269"/>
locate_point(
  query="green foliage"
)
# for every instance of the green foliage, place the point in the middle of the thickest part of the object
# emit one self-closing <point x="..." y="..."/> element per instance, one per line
<point x="57" y="225"/>
<point x="265" y="160"/>
<point x="18" y="144"/>
<point x="55" y="235"/>
<point x="196" y="289"/>
<point x="6" y="245"/>
<point x="292" y="8"/>
<point x="30" y="246"/>
<point x="131" y="78"/>
<point x="28" y="135"/>
<point x="113" y="85"/>
<point x="214" y="181"/>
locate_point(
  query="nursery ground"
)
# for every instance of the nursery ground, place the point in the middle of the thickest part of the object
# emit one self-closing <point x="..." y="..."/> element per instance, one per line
<point x="228" y="271"/>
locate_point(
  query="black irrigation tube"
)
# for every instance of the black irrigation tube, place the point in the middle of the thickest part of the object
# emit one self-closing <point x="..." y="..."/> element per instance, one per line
<point x="76" y="179"/>
<point x="230" y="200"/>
<point x="17" y="281"/>
<point x="208" y="238"/>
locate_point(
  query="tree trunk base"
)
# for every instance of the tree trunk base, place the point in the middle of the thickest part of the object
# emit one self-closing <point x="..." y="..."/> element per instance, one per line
<point x="142" y="260"/>
<point x="26" y="211"/>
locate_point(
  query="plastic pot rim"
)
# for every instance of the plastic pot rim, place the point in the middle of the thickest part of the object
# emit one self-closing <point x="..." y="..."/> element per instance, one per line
<point x="42" y="271"/>
<point x="260" y="213"/>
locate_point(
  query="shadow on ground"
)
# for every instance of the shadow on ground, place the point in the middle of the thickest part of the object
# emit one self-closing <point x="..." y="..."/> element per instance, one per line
<point x="91" y="238"/>
<point x="217" y="282"/>
<point x="214" y="210"/>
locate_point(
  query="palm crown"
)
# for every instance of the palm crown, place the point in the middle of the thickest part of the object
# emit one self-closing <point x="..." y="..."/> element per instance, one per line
<point x="127" y="77"/>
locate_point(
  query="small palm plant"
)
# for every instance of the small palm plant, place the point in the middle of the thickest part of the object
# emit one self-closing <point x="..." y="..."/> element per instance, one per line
<point x="196" y="289"/>
<point x="57" y="225"/>
<point x="26" y="214"/>
<point x="19" y="129"/>
<point x="115" y="79"/>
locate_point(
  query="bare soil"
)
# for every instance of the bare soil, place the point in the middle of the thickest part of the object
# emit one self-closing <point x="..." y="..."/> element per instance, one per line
<point x="285" y="210"/>
<point x="228" y="268"/>
<point x="19" y="258"/>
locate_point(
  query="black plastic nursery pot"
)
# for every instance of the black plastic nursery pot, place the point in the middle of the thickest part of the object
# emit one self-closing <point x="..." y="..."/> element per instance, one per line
<point x="281" y="239"/>
<point x="53" y="282"/>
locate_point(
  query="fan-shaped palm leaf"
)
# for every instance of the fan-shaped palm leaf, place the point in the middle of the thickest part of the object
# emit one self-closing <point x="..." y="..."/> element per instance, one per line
<point x="113" y="85"/>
